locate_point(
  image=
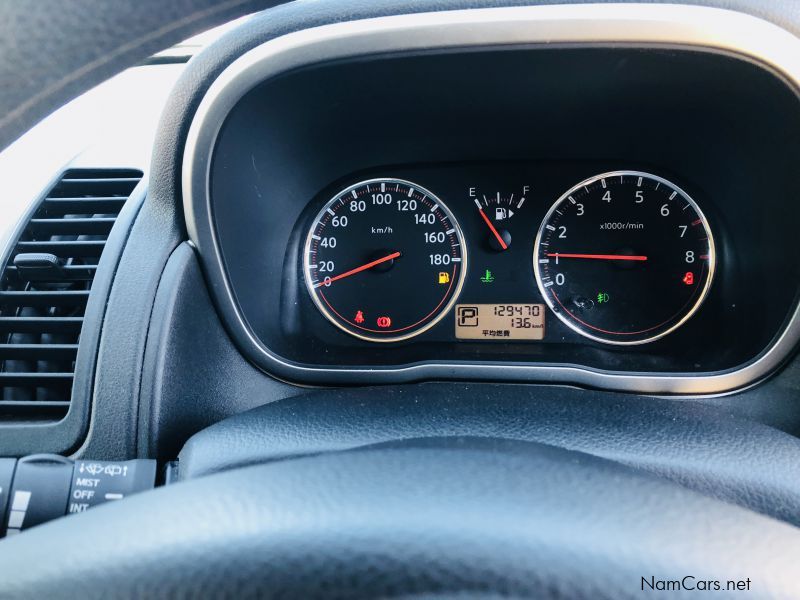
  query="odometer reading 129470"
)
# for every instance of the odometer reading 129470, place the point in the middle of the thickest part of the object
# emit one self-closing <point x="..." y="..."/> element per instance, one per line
<point x="384" y="260"/>
<point x="624" y="257"/>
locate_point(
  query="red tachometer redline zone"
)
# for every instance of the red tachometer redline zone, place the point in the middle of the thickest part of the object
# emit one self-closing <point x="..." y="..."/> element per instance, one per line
<point x="384" y="260"/>
<point x="624" y="257"/>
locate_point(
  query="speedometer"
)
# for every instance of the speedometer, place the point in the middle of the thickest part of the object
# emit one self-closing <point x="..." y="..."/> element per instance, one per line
<point x="384" y="260"/>
<point x="624" y="257"/>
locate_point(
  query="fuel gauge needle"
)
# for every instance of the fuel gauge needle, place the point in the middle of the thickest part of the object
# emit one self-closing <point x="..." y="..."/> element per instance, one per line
<point x="491" y="226"/>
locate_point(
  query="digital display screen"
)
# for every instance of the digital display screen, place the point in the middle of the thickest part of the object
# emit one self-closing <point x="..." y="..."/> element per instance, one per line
<point x="500" y="321"/>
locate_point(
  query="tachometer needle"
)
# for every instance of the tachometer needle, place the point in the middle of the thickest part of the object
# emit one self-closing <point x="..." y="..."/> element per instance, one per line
<point x="494" y="231"/>
<point x="369" y="265"/>
<point x="598" y="256"/>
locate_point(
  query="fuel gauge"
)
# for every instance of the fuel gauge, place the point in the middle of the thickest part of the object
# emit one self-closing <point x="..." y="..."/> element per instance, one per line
<point x="497" y="210"/>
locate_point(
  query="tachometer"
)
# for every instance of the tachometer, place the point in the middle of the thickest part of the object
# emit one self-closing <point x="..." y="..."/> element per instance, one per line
<point x="624" y="257"/>
<point x="384" y="260"/>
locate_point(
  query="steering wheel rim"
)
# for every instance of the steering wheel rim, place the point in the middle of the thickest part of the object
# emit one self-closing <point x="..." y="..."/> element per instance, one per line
<point x="438" y="517"/>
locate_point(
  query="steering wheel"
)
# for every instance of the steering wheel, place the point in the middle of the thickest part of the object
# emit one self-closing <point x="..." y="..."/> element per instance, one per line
<point x="422" y="518"/>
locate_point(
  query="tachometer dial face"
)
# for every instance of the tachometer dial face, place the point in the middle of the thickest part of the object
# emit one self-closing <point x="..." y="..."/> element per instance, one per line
<point x="384" y="260"/>
<point x="624" y="257"/>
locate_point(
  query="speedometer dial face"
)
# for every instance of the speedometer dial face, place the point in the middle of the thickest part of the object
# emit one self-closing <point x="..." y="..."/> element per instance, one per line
<point x="624" y="257"/>
<point x="384" y="260"/>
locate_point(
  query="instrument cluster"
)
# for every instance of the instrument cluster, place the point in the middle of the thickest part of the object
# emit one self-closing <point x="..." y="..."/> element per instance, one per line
<point x="405" y="217"/>
<point x="499" y="253"/>
<point x="622" y="257"/>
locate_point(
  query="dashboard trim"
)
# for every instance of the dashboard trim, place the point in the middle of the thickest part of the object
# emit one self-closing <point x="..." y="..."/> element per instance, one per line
<point x="638" y="25"/>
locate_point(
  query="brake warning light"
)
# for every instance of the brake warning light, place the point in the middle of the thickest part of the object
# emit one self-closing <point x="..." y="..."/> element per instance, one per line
<point x="384" y="322"/>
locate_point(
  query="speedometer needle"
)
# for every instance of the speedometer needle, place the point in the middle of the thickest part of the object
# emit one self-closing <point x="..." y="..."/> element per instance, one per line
<point x="494" y="231"/>
<point x="369" y="265"/>
<point x="599" y="256"/>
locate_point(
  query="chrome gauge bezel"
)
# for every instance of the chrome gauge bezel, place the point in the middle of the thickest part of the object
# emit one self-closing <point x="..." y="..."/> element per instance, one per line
<point x="712" y="258"/>
<point x="442" y="312"/>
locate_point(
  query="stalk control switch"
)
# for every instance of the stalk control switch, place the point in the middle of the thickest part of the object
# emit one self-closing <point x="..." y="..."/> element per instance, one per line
<point x="43" y="487"/>
<point x="6" y="477"/>
<point x="39" y="492"/>
<point x="95" y="482"/>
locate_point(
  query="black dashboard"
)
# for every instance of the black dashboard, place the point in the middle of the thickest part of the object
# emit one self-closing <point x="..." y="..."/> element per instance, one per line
<point x="473" y="189"/>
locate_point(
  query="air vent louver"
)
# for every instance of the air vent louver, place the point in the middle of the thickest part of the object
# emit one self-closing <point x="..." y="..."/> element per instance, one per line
<point x="45" y="287"/>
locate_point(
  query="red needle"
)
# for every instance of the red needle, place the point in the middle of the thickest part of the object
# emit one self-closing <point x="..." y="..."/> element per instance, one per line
<point x="599" y="256"/>
<point x="503" y="245"/>
<point x="369" y="265"/>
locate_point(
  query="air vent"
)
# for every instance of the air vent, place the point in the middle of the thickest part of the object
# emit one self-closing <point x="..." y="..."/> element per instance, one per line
<point x="45" y="286"/>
